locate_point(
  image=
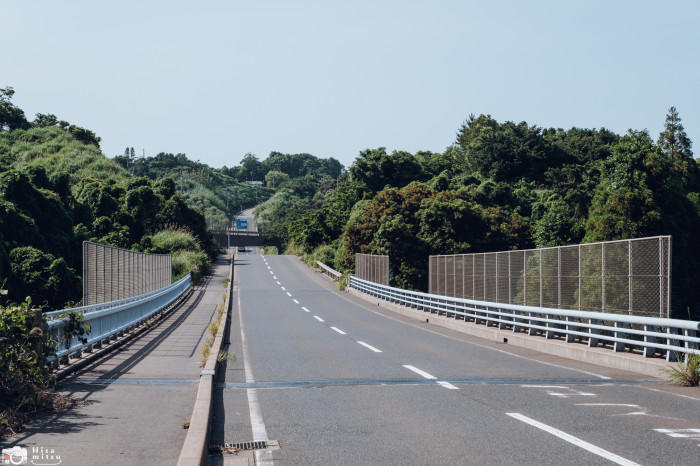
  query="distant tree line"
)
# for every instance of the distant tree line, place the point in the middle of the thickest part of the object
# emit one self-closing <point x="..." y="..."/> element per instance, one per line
<point x="504" y="186"/>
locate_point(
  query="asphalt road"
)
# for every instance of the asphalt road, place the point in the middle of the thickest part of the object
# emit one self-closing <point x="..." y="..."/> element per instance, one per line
<point x="336" y="381"/>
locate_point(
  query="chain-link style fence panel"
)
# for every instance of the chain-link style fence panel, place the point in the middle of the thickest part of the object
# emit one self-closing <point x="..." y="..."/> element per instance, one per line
<point x="111" y="273"/>
<point x="372" y="267"/>
<point x="624" y="277"/>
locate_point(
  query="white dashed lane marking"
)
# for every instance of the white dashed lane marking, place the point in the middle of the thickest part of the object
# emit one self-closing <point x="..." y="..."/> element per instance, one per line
<point x="305" y="310"/>
<point x="289" y="294"/>
<point x="447" y="385"/>
<point x="336" y="329"/>
<point x="369" y="347"/>
<point x="420" y="372"/>
<point x="428" y="376"/>
<point x="295" y="301"/>
<point x="319" y="319"/>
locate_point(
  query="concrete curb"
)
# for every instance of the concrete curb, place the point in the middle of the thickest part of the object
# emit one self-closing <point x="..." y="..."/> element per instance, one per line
<point x="598" y="356"/>
<point x="195" y="448"/>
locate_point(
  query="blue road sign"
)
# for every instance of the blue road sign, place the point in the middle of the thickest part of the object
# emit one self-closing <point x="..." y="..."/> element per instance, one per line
<point x="241" y="224"/>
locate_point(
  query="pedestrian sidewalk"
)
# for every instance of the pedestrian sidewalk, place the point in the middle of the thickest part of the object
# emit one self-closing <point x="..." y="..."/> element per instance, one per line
<point x="139" y="396"/>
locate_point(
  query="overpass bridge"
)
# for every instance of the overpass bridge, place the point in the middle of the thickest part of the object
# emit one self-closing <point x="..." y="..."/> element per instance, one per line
<point x="322" y="376"/>
<point x="235" y="238"/>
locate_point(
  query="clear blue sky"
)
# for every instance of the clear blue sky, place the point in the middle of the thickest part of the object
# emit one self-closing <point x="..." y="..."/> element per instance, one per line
<point x="217" y="79"/>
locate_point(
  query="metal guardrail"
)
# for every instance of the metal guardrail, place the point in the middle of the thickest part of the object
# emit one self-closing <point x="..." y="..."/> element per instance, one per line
<point x="107" y="320"/>
<point x="334" y="274"/>
<point x="652" y="335"/>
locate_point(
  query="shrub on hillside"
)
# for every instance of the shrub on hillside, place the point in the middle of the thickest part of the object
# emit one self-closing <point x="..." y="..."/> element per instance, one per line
<point x="194" y="262"/>
<point x="169" y="241"/>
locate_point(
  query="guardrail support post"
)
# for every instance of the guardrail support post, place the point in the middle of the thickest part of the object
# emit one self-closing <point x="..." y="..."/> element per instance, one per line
<point x="689" y="344"/>
<point x="650" y="352"/>
<point x="671" y="356"/>
<point x="549" y="333"/>
<point x="619" y="346"/>
<point x="569" y="338"/>
<point x="593" y="342"/>
<point x="502" y="319"/>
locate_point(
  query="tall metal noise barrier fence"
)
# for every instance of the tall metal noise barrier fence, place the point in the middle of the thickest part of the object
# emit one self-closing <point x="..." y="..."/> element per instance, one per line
<point x="372" y="267"/>
<point x="626" y="277"/>
<point x="111" y="273"/>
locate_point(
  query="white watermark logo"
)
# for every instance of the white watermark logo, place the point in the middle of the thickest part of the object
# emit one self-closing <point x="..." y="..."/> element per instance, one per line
<point x="14" y="455"/>
<point x="38" y="456"/>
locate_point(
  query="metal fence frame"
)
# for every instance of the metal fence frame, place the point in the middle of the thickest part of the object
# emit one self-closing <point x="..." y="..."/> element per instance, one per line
<point x="110" y="273"/>
<point x="372" y="267"/>
<point x="106" y="320"/>
<point x="654" y="336"/>
<point x="334" y="274"/>
<point x="581" y="277"/>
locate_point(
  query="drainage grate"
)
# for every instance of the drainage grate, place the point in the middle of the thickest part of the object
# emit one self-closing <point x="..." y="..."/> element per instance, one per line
<point x="235" y="448"/>
<point x="257" y="445"/>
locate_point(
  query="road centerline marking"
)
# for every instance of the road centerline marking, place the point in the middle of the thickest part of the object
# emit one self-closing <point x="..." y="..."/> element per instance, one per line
<point x="420" y="372"/>
<point x="336" y="329"/>
<point x="369" y="347"/>
<point x="278" y="282"/>
<point x="284" y="289"/>
<point x="295" y="301"/>
<point x="289" y="294"/>
<point x="574" y="440"/>
<point x="305" y="310"/>
<point x="318" y="318"/>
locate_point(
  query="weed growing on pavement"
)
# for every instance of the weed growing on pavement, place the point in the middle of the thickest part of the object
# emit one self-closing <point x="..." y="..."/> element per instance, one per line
<point x="686" y="374"/>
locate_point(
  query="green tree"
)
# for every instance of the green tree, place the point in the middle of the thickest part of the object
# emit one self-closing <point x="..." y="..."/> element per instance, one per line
<point x="11" y="117"/>
<point x="676" y="145"/>
<point x="274" y="179"/>
<point x="40" y="274"/>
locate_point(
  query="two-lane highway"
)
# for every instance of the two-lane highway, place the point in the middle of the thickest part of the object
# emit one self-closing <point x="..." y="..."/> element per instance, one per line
<point x="336" y="381"/>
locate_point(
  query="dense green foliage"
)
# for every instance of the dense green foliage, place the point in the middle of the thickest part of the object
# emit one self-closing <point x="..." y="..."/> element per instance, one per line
<point x="188" y="255"/>
<point x="56" y="190"/>
<point x="24" y="375"/>
<point x="502" y="186"/>
<point x="214" y="192"/>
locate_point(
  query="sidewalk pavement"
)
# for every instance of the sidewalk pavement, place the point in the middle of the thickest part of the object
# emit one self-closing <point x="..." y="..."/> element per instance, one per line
<point x="138" y="397"/>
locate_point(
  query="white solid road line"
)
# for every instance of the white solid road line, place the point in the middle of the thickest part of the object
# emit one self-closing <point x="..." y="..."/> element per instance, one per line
<point x="574" y="440"/>
<point x="369" y="347"/>
<point x="256" y="419"/>
<point x="319" y="319"/>
<point x="336" y="329"/>
<point x="295" y="301"/>
<point x="305" y="310"/>
<point x="447" y="385"/>
<point x="419" y="372"/>
<point x="289" y="294"/>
